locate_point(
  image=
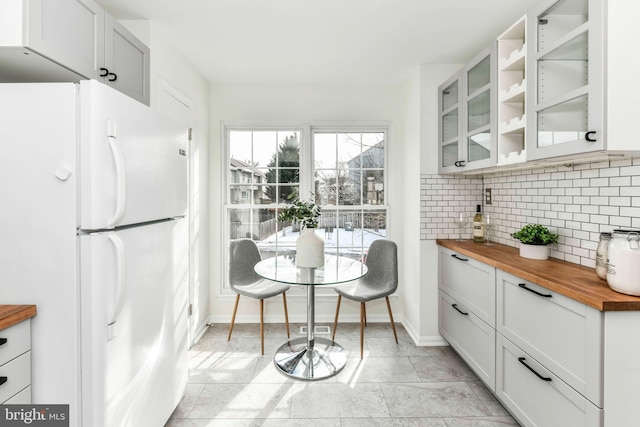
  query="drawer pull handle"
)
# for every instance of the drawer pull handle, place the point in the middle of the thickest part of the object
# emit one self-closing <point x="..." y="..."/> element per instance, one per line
<point x="3" y="341"/>
<point x="522" y="360"/>
<point x="457" y="257"/>
<point x="524" y="286"/>
<point x="3" y="380"/>
<point x="458" y="310"/>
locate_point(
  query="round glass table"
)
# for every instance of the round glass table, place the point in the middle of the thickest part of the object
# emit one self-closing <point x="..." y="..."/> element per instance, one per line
<point x="310" y="357"/>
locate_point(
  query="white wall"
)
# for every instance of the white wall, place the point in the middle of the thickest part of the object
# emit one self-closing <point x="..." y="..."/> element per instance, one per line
<point x="170" y="68"/>
<point x="304" y="103"/>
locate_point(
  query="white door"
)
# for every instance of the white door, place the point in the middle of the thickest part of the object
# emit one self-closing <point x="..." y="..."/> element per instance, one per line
<point x="133" y="161"/>
<point x="134" y="324"/>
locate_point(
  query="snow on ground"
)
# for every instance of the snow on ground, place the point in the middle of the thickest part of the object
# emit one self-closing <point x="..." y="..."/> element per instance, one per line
<point x="341" y="241"/>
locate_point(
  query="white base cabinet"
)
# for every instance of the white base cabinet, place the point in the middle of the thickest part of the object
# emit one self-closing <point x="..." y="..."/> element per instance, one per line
<point x="535" y="395"/>
<point x="470" y="336"/>
<point x="15" y="363"/>
<point x="562" y="334"/>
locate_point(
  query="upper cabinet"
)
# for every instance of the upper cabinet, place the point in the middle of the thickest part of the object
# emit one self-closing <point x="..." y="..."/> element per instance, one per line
<point x="512" y="89"/>
<point x="567" y="79"/>
<point x="467" y="123"/>
<point x="565" y="91"/>
<point x="583" y="74"/>
<point x="126" y="61"/>
<point x="70" y="40"/>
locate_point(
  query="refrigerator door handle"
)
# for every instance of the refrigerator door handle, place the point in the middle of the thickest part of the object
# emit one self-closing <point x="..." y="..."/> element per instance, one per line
<point x="121" y="187"/>
<point x="120" y="281"/>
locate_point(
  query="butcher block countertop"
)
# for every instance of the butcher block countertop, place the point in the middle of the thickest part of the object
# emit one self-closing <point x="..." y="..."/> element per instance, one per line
<point x="571" y="280"/>
<point x="12" y="314"/>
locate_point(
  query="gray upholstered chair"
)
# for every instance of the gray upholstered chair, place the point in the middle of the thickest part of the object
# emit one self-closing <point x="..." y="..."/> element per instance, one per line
<point x="244" y="255"/>
<point x="380" y="281"/>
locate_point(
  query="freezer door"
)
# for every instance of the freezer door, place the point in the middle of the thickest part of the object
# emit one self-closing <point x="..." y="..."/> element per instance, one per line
<point x="133" y="162"/>
<point x="134" y="295"/>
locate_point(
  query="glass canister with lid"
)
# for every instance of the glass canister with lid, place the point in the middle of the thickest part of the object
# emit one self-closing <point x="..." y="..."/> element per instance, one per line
<point x="623" y="262"/>
<point x="601" y="255"/>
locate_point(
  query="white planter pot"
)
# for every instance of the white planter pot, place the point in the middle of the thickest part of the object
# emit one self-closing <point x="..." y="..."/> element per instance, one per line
<point x="534" y="251"/>
<point x="309" y="249"/>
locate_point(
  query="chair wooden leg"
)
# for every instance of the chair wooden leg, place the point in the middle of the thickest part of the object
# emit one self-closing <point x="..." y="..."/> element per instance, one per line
<point x="233" y="316"/>
<point x="286" y="313"/>
<point x="364" y="309"/>
<point x="393" y="325"/>
<point x="335" y="322"/>
<point x="262" y="326"/>
<point x="362" y="322"/>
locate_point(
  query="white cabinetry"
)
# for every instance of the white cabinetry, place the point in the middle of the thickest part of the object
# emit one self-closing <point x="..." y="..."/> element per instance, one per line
<point x="467" y="311"/>
<point x="549" y="355"/>
<point x="512" y="88"/>
<point x="467" y="123"/>
<point x="15" y="363"/>
<point x="582" y="78"/>
<point x="70" y="40"/>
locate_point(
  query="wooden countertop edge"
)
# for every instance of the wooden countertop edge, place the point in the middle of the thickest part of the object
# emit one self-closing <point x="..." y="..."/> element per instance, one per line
<point x="13" y="314"/>
<point x="571" y="280"/>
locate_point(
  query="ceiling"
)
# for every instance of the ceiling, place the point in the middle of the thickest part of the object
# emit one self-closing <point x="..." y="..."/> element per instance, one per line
<point x="322" y="41"/>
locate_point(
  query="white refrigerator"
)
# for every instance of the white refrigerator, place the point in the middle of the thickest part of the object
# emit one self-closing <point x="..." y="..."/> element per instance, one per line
<point x="92" y="231"/>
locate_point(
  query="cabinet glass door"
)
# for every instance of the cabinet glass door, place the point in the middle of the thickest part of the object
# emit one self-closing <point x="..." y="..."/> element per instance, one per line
<point x="450" y="125"/>
<point x="480" y="130"/>
<point x="563" y="79"/>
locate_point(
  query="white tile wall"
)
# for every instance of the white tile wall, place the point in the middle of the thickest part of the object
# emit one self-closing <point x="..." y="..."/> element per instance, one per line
<point x="577" y="202"/>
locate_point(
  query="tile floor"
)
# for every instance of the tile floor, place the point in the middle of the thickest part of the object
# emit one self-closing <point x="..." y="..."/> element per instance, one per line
<point x="398" y="385"/>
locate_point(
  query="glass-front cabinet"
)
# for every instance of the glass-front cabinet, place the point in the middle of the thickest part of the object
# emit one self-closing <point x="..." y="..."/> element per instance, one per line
<point x="467" y="107"/>
<point x="567" y="53"/>
<point x="450" y="126"/>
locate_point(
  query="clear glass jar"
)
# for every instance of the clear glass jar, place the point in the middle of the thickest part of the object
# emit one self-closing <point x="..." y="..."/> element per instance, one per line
<point x="601" y="255"/>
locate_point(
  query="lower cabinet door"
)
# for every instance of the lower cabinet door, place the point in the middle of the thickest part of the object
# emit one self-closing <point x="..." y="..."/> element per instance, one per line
<point x="470" y="336"/>
<point x="535" y="396"/>
<point x="22" y="398"/>
<point x="16" y="376"/>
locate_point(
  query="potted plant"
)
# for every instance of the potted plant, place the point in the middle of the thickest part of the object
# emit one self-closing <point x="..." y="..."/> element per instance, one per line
<point x="309" y="245"/>
<point x="534" y="239"/>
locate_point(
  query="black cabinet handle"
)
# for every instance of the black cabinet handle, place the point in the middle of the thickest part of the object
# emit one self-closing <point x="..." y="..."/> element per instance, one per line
<point x="3" y="380"/>
<point x="458" y="258"/>
<point x="458" y="310"/>
<point x="112" y="77"/>
<point x="524" y="286"/>
<point x="3" y="341"/>
<point x="522" y="360"/>
<point x="459" y="163"/>
<point x="588" y="136"/>
<point x="105" y="72"/>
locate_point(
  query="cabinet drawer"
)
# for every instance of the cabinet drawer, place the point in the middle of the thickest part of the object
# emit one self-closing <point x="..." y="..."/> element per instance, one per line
<point x="18" y="341"/>
<point x="470" y="282"/>
<point x="562" y="334"/>
<point x="18" y="374"/>
<point x="536" y="396"/>
<point x="470" y="336"/>
<point x="22" y="398"/>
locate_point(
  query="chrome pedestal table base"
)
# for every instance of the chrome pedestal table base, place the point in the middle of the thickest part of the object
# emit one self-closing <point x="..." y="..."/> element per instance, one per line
<point x="310" y="358"/>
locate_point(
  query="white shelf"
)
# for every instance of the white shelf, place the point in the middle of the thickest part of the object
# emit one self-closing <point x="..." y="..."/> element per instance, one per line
<point x="515" y="61"/>
<point x="512" y="158"/>
<point x="515" y="93"/>
<point x="515" y="125"/>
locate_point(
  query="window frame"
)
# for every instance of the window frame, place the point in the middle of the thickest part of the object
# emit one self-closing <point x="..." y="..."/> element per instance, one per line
<point x="306" y="182"/>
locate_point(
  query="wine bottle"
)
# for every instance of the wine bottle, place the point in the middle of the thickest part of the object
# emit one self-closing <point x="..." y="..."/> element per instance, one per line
<point x="478" y="228"/>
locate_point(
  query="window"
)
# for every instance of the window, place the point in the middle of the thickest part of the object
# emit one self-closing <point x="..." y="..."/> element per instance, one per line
<point x="343" y="170"/>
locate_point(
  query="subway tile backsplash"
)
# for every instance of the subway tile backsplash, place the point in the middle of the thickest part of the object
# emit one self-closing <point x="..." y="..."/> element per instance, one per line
<point x="575" y="201"/>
